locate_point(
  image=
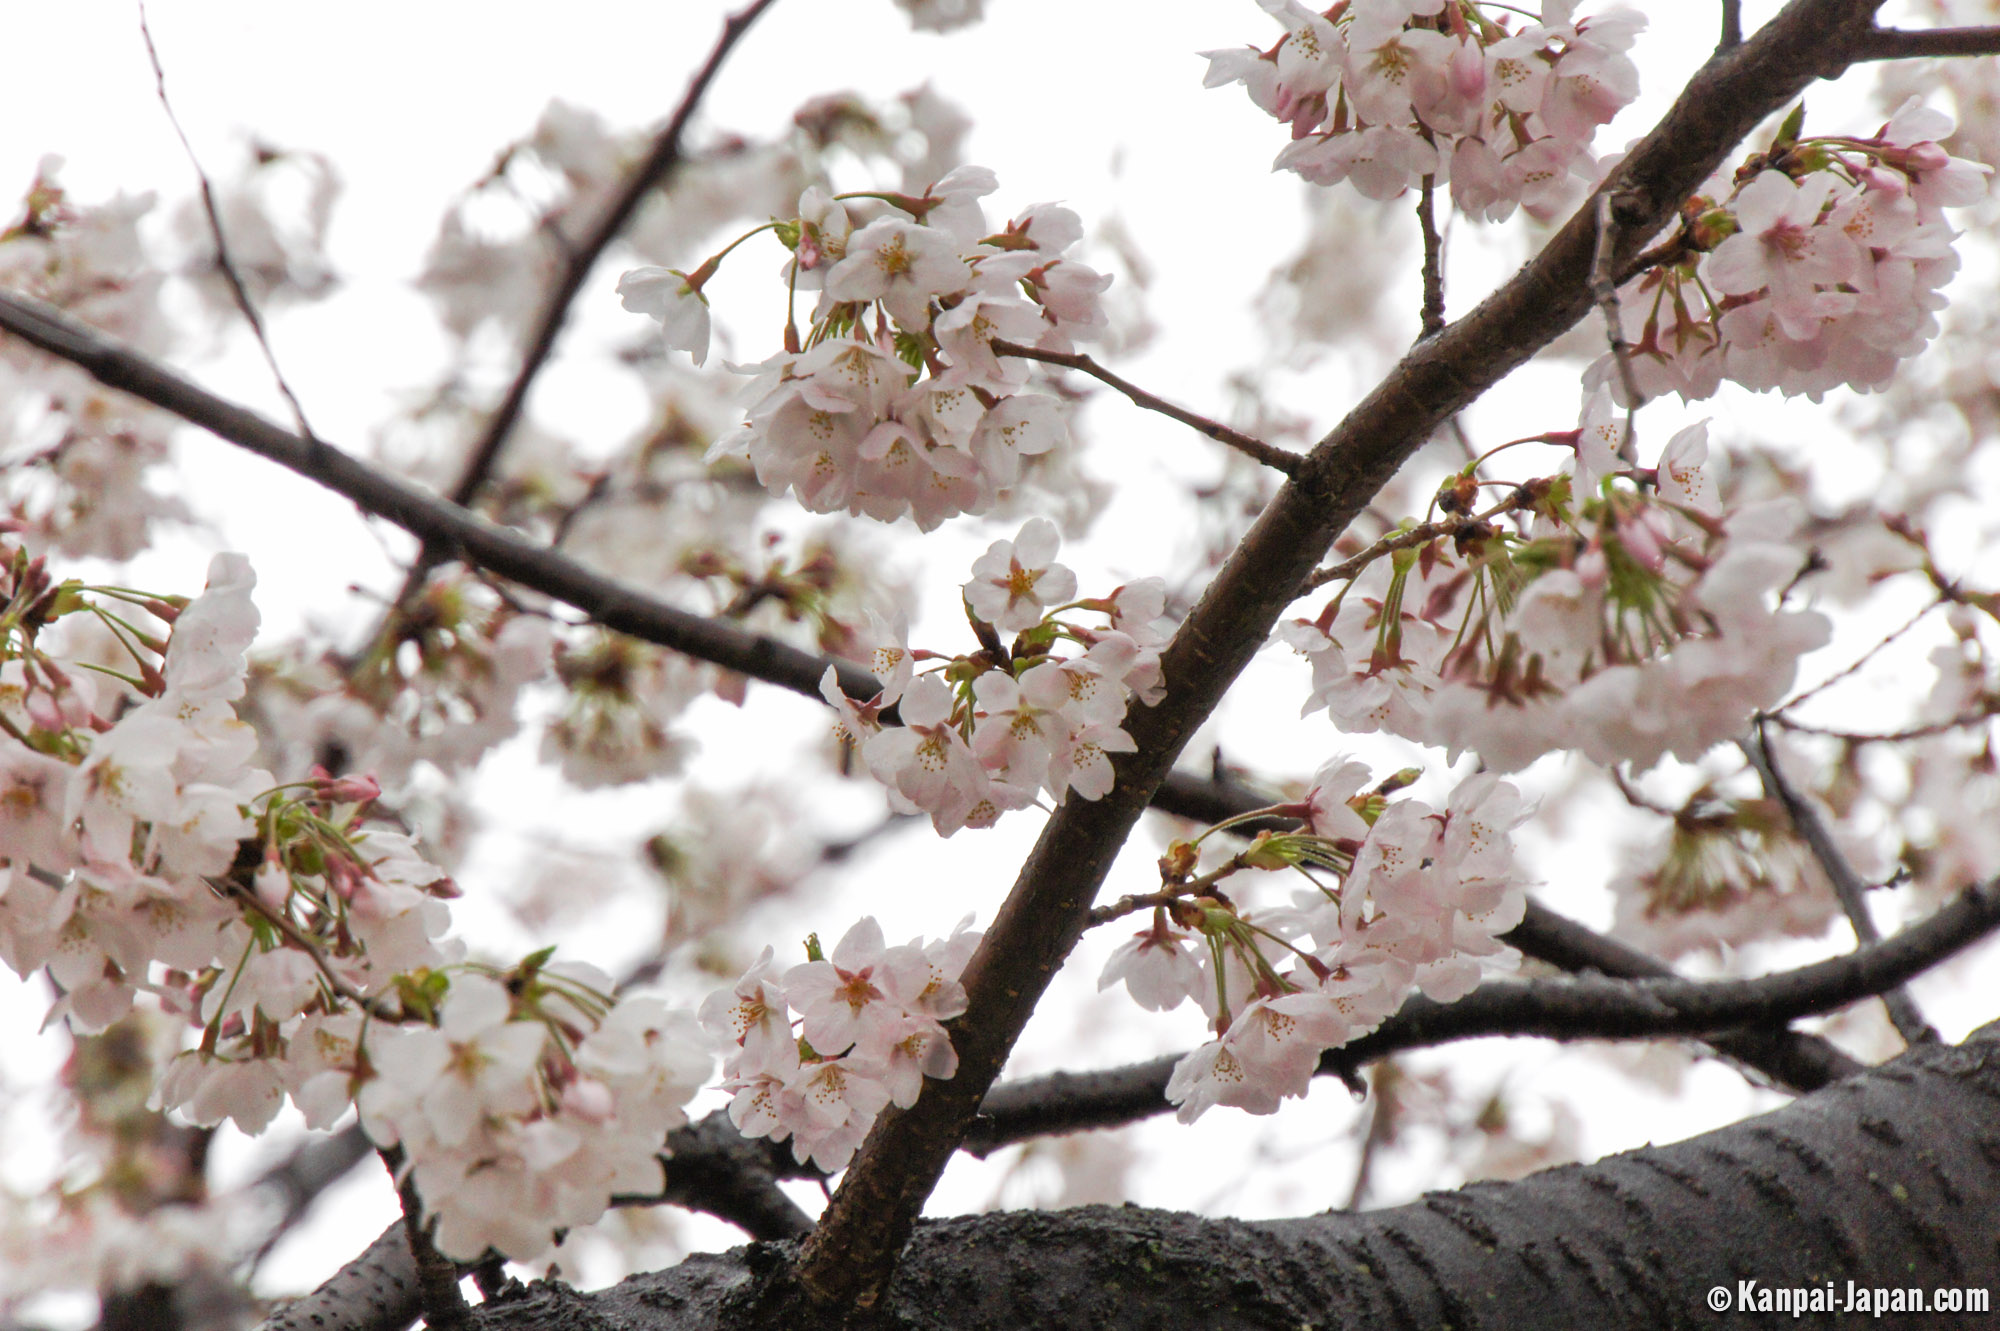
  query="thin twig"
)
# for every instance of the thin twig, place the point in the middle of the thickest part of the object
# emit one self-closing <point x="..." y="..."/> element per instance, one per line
<point x="209" y="208"/>
<point x="1431" y="318"/>
<point x="1860" y="660"/>
<point x="1271" y="456"/>
<point x="1847" y="885"/>
<point x="1904" y="44"/>
<point x="297" y="937"/>
<point x="1385" y="1104"/>
<point x="1604" y="287"/>
<point x="1960" y="722"/>
<point x="1133" y="902"/>
<point x="1732" y="26"/>
<point x="659" y="163"/>
<point x="651" y="172"/>
<point x="1421" y="534"/>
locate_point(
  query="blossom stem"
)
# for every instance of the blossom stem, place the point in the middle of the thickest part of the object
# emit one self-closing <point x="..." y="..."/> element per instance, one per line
<point x="1277" y="459"/>
<point x="374" y="1007"/>
<point x="1430" y="320"/>
<point x="1421" y="534"/>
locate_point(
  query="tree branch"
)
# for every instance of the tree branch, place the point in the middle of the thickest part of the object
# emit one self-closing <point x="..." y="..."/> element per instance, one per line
<point x="223" y="262"/>
<point x="650" y="173"/>
<point x="1904" y="44"/>
<point x="1568" y="1008"/>
<point x="1848" y="888"/>
<point x="1257" y="450"/>
<point x="1422" y="534"/>
<point x="666" y="155"/>
<point x="425" y="515"/>
<point x="848" y="1260"/>
<point x="1880" y="1182"/>
<point x="1430" y="319"/>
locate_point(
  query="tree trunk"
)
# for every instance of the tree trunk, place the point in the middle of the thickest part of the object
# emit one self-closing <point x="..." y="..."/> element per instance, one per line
<point x="1889" y="1180"/>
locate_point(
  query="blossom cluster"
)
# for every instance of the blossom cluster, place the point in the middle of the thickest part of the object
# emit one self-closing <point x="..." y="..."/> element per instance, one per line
<point x="1628" y="624"/>
<point x="78" y="457"/>
<point x="140" y="851"/>
<point x="990" y="732"/>
<point x="869" y="1027"/>
<point x="895" y="403"/>
<point x="1423" y="895"/>
<point x="531" y="1103"/>
<point x="439" y="685"/>
<point x="1386" y="94"/>
<point x="1822" y="266"/>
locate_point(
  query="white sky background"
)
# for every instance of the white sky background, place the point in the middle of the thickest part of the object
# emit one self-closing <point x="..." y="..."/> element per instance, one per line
<point x="1097" y="105"/>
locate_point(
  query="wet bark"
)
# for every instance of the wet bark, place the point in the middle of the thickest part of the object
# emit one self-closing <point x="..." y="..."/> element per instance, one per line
<point x="1888" y="1179"/>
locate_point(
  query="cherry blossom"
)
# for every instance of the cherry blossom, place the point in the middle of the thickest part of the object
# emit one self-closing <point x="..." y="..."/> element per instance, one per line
<point x="673" y="299"/>
<point x="1015" y="582"/>
<point x="1387" y="95"/>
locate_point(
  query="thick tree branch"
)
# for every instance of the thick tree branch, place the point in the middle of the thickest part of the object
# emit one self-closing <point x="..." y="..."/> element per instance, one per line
<point x="1257" y="450"/>
<point x="848" y="1260"/>
<point x="377" y="1291"/>
<point x="1882" y="1181"/>
<point x="1904" y="44"/>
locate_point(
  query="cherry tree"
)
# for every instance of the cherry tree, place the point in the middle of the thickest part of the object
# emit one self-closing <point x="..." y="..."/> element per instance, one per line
<point x="230" y="858"/>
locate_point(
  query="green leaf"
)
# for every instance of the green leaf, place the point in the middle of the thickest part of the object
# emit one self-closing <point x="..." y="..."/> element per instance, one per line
<point x="1788" y="133"/>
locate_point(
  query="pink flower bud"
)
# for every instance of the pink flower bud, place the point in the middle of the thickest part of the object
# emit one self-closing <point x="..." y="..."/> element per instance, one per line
<point x="345" y="789"/>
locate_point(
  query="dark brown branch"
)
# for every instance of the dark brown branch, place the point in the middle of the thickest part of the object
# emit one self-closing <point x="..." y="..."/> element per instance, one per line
<point x="1256" y="449"/>
<point x="1566" y="1008"/>
<point x="1430" y="319"/>
<point x="848" y="1260"/>
<point x="1847" y="886"/>
<point x="223" y="262"/>
<point x="437" y="1276"/>
<point x="425" y="515"/>
<point x="1904" y="44"/>
<point x="1732" y="25"/>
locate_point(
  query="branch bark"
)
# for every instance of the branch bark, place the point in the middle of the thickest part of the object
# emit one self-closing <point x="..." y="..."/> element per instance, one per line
<point x="1889" y="1179"/>
<point x="1907" y="44"/>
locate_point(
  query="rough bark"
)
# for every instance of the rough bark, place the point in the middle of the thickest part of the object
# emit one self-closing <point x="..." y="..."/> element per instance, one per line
<point x="1888" y="1179"/>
